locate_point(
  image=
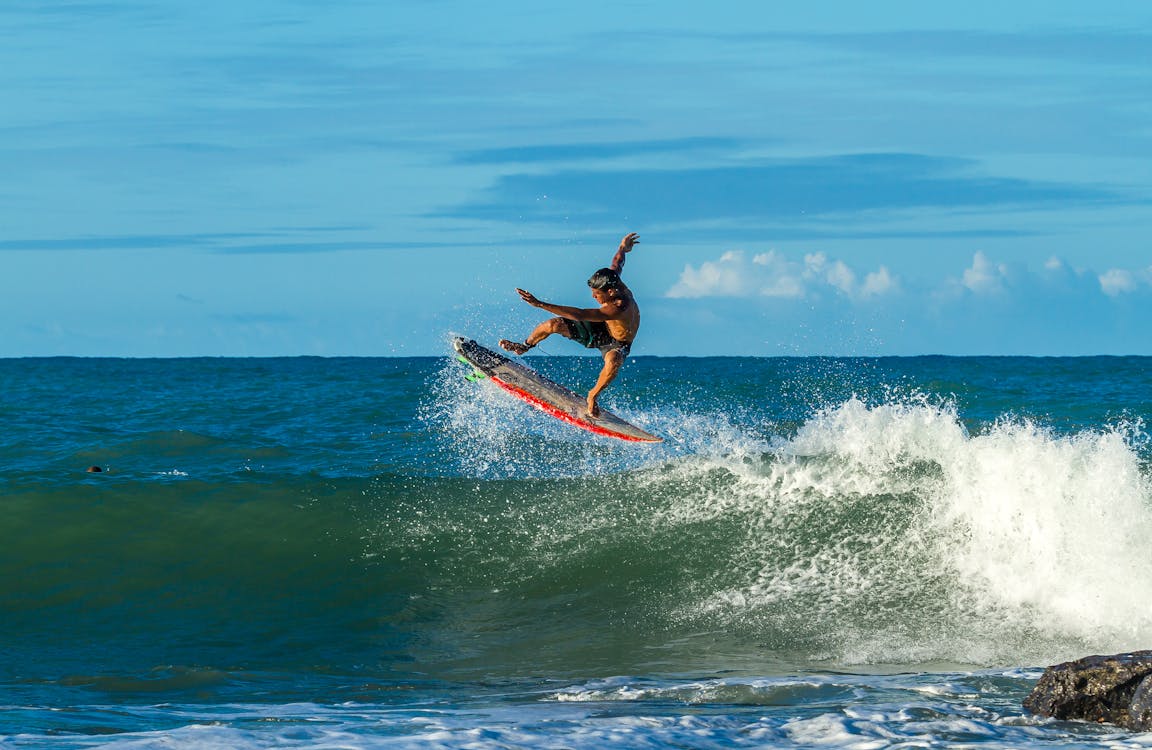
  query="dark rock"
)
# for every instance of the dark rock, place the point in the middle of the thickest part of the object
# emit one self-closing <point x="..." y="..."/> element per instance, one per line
<point x="1140" y="710"/>
<point x="1110" y="689"/>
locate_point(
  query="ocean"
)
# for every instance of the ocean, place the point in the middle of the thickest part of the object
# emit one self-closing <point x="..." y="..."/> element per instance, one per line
<point x="362" y="552"/>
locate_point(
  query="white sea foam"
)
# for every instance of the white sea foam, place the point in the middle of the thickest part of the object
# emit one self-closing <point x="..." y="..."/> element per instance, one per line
<point x="867" y="711"/>
<point x="1054" y="528"/>
<point x="889" y="533"/>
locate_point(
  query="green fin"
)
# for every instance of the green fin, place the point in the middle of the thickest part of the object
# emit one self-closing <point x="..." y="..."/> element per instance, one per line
<point x="475" y="375"/>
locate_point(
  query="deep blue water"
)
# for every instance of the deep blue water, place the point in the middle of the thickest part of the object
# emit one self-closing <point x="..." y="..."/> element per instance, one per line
<point x="313" y="552"/>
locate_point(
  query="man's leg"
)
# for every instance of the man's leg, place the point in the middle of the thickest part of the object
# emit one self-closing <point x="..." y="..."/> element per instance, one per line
<point x="612" y="361"/>
<point x="539" y="333"/>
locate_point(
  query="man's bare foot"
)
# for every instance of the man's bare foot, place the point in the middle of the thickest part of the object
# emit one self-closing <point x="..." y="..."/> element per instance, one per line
<point x="593" y="409"/>
<point x="514" y="346"/>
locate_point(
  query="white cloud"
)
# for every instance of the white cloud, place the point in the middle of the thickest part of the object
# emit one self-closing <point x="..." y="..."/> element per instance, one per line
<point x="778" y="276"/>
<point x="772" y="274"/>
<point x="878" y="283"/>
<point x="1053" y="279"/>
<point x="726" y="277"/>
<point x="1117" y="281"/>
<point x="836" y="273"/>
<point x="983" y="276"/>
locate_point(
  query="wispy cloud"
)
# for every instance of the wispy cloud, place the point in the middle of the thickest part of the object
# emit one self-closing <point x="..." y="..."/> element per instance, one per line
<point x="131" y="242"/>
<point x="584" y="152"/>
<point x="788" y="190"/>
<point x="1092" y="46"/>
<point x="285" y="241"/>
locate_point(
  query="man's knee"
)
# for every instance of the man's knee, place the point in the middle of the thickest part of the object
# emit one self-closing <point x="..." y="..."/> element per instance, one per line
<point x="560" y="326"/>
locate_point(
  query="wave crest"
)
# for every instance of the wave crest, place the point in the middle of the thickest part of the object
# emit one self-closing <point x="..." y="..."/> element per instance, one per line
<point x="890" y="533"/>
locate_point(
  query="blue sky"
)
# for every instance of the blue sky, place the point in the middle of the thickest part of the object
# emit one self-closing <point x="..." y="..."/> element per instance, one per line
<point x="366" y="178"/>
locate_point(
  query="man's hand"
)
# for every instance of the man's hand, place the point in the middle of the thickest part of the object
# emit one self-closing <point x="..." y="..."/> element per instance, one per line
<point x="528" y="297"/>
<point x="629" y="240"/>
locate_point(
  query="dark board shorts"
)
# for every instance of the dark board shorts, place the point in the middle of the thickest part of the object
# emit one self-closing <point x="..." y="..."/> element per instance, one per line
<point x="594" y="335"/>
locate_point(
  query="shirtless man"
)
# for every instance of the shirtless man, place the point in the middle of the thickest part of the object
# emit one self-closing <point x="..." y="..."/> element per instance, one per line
<point x="611" y="328"/>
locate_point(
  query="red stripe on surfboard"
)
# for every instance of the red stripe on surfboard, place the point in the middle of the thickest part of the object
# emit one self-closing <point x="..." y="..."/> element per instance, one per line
<point x="561" y="414"/>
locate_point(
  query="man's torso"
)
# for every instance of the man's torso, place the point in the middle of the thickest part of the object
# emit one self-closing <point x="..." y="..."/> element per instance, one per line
<point x="624" y="327"/>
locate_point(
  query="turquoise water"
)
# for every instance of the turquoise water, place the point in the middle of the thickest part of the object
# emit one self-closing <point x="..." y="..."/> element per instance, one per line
<point x="360" y="553"/>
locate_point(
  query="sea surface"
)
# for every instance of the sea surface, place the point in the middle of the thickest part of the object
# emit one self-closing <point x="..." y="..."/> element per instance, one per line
<point x="361" y="553"/>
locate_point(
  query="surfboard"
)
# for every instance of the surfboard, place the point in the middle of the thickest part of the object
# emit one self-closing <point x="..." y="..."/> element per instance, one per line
<point x="549" y="397"/>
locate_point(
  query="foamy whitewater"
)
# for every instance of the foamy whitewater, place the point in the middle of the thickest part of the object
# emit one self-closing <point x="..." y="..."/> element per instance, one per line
<point x="358" y="553"/>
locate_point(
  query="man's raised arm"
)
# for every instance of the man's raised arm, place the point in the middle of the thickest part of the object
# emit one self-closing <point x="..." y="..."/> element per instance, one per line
<point x="626" y="244"/>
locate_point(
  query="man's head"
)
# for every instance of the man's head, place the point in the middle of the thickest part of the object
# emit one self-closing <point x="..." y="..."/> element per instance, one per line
<point x="605" y="279"/>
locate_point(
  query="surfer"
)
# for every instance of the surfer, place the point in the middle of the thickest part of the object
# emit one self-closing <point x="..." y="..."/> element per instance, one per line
<point x="611" y="328"/>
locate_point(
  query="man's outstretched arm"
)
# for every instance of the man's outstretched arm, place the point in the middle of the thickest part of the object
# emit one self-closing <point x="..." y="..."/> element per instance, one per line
<point x="590" y="314"/>
<point x="626" y="244"/>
